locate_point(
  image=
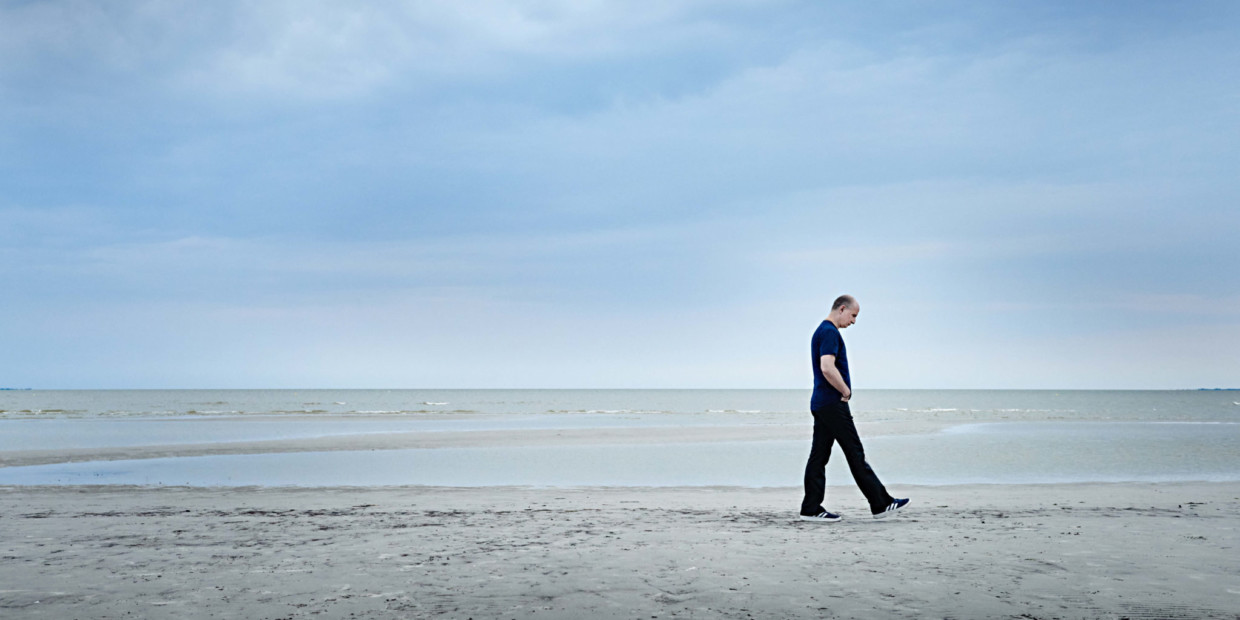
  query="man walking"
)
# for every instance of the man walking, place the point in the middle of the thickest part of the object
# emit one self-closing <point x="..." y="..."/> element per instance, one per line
<point x="833" y="420"/>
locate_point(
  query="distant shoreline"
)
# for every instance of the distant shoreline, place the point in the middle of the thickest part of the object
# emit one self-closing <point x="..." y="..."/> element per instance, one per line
<point x="690" y="389"/>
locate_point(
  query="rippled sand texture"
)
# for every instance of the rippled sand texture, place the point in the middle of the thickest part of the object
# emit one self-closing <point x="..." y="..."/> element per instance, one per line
<point x="987" y="551"/>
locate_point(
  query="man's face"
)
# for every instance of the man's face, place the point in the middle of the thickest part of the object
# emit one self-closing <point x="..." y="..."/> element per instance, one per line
<point x="848" y="315"/>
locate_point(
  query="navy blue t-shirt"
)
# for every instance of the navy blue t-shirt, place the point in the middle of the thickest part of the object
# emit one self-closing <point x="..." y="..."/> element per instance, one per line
<point x="828" y="341"/>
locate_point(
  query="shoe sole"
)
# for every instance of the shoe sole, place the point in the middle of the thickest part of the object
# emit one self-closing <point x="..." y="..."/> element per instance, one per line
<point x="819" y="519"/>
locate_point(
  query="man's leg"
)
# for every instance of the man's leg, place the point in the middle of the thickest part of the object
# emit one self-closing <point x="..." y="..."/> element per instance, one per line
<point x="840" y="419"/>
<point x="816" y="468"/>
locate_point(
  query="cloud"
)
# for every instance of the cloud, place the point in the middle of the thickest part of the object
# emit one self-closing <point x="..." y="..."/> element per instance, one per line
<point x="326" y="51"/>
<point x="673" y="177"/>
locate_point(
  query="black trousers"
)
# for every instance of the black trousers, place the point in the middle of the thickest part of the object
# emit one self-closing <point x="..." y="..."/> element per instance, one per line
<point x="833" y="424"/>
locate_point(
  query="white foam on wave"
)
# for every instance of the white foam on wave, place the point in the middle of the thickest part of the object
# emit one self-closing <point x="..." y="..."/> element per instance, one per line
<point x="606" y="411"/>
<point x="1188" y="422"/>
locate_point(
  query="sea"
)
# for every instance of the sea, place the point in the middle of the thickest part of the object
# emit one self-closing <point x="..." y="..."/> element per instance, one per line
<point x="911" y="437"/>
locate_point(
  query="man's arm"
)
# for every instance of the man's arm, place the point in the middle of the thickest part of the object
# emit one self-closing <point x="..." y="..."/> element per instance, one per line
<point x="833" y="376"/>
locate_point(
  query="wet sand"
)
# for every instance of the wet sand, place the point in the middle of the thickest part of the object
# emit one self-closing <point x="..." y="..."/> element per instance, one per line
<point x="1131" y="550"/>
<point x="453" y="439"/>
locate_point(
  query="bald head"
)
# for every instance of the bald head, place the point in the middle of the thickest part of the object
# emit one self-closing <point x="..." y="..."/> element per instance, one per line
<point x="844" y="311"/>
<point x="844" y="301"/>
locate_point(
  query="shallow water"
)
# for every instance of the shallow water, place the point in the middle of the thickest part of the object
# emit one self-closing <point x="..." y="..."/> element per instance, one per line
<point x="59" y="433"/>
<point x="768" y="405"/>
<point x="1022" y="452"/>
<point x="991" y="436"/>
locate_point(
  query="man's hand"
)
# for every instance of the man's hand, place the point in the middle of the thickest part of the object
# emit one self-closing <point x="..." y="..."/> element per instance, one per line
<point x="833" y="376"/>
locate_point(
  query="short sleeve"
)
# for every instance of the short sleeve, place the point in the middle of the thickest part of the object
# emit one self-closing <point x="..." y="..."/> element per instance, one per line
<point x="830" y="344"/>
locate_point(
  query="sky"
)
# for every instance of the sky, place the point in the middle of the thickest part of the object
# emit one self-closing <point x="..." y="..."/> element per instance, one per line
<point x="627" y="194"/>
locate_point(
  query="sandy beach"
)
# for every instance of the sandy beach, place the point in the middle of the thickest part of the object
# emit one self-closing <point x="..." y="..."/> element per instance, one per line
<point x="415" y="548"/>
<point x="1135" y="550"/>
